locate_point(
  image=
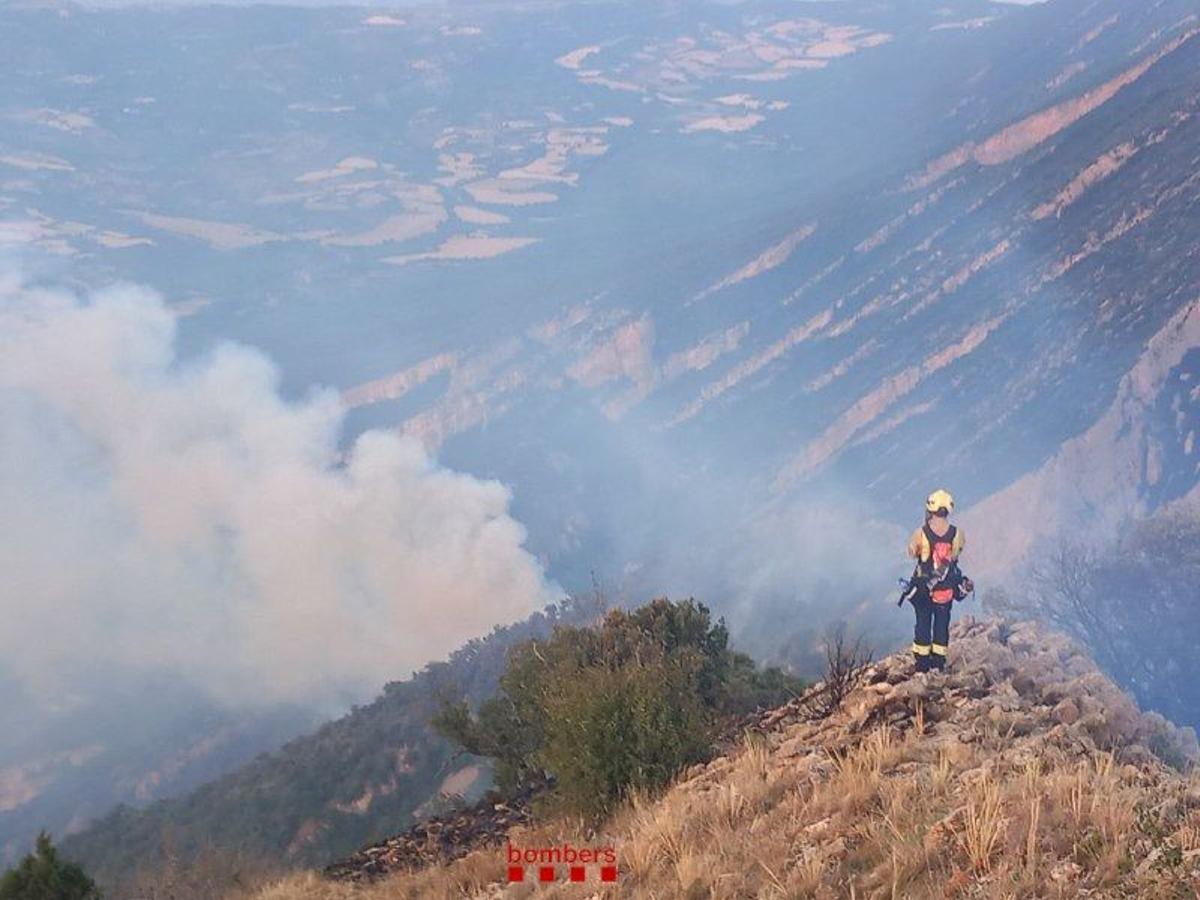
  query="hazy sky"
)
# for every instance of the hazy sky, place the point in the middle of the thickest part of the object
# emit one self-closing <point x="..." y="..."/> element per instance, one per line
<point x="378" y="4"/>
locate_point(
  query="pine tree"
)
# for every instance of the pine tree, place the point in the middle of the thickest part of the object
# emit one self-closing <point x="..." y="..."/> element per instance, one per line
<point x="42" y="875"/>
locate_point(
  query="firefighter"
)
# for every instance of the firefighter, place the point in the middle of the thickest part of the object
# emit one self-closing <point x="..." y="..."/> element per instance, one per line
<point x="936" y="582"/>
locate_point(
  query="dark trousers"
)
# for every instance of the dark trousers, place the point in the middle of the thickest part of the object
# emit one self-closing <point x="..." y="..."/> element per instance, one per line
<point x="931" y="637"/>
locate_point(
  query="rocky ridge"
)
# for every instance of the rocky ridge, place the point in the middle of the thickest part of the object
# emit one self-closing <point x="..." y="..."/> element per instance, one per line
<point x="1016" y="681"/>
<point x="1021" y="771"/>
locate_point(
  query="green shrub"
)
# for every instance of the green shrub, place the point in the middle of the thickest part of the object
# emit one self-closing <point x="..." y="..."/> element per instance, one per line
<point x="623" y="705"/>
<point x="42" y="875"/>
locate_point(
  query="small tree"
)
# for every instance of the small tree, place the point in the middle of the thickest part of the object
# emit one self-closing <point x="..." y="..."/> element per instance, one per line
<point x="42" y="875"/>
<point x="623" y="705"/>
<point x="844" y="662"/>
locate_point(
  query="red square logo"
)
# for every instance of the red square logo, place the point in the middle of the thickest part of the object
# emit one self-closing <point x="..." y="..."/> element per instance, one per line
<point x="546" y="873"/>
<point x="608" y="873"/>
<point x="516" y="873"/>
<point x="578" y="873"/>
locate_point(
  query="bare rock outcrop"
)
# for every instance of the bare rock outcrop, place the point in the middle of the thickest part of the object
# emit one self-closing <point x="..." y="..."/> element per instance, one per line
<point x="438" y="839"/>
<point x="1020" y="682"/>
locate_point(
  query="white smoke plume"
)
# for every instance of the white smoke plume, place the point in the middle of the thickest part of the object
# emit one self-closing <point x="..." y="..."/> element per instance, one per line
<point x="181" y="515"/>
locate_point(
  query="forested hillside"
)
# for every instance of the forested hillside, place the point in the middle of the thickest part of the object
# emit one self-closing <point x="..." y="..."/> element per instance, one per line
<point x="354" y="780"/>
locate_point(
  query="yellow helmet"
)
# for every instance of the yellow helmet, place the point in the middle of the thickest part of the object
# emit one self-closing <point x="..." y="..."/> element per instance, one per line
<point x="939" y="499"/>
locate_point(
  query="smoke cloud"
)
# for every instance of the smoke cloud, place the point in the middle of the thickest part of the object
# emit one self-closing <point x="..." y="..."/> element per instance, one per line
<point x="181" y="515"/>
<point x="798" y="568"/>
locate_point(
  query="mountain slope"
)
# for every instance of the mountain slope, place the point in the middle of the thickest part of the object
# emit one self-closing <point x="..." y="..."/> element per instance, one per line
<point x="966" y="295"/>
<point x="901" y="227"/>
<point x="159" y="740"/>
<point x="1021" y="772"/>
<point x="1137" y="457"/>
<point x="992" y="312"/>
<point x="323" y="794"/>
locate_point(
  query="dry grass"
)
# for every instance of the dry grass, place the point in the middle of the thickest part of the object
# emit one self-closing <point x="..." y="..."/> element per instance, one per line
<point x="946" y="799"/>
<point x="983" y="827"/>
<point x="470" y="876"/>
<point x="884" y="818"/>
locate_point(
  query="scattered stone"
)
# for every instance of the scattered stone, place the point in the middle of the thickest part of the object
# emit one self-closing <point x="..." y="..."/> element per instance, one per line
<point x="1022" y="725"/>
<point x="1146" y="864"/>
<point x="1025" y="686"/>
<point x="816" y="829"/>
<point x="875" y="675"/>
<point x="835" y="848"/>
<point x="439" y="840"/>
<point x="1065" y="871"/>
<point x="1066" y="712"/>
<point x="940" y="835"/>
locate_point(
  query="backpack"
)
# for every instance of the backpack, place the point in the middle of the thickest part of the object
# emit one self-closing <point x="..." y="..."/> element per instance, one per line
<point x="937" y="565"/>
